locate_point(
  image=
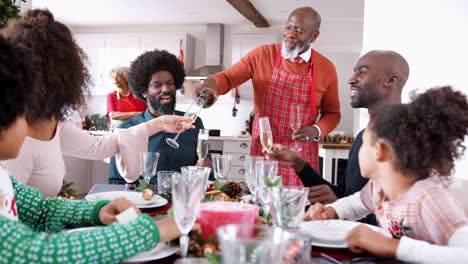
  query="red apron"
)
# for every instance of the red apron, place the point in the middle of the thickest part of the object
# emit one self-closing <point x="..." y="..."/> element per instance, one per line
<point x="283" y="89"/>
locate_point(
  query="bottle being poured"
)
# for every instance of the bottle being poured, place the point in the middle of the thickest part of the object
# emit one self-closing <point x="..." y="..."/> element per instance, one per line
<point x="208" y="91"/>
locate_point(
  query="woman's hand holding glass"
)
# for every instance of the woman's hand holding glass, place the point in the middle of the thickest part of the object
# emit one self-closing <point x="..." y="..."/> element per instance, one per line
<point x="168" y="123"/>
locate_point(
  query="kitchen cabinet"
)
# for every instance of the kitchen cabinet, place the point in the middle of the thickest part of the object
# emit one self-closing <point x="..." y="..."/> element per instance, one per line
<point x="238" y="147"/>
<point x="243" y="43"/>
<point x="106" y="51"/>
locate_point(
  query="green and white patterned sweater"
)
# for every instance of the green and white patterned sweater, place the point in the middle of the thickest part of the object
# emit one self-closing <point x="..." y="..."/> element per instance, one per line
<point x="30" y="229"/>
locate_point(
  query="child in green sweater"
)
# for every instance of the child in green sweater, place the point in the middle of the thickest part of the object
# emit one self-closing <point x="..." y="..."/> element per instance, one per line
<point x="30" y="226"/>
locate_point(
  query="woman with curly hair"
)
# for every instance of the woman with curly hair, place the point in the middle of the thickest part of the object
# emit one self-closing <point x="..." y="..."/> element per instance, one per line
<point x="406" y="154"/>
<point x="31" y="228"/>
<point x="61" y="83"/>
<point x="154" y="77"/>
<point x="122" y="104"/>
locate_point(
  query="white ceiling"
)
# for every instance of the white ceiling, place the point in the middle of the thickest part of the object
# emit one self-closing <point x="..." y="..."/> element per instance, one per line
<point x="112" y="12"/>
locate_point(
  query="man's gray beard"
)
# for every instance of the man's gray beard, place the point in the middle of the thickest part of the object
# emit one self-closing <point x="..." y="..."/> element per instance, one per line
<point x="288" y="53"/>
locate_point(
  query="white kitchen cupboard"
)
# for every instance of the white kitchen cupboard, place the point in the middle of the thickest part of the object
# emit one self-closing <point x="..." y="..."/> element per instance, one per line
<point x="243" y="43"/>
<point x="106" y="51"/>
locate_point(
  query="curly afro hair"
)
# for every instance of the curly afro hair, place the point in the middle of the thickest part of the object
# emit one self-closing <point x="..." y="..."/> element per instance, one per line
<point x="63" y="77"/>
<point x="428" y="133"/>
<point x="149" y="63"/>
<point x="17" y="75"/>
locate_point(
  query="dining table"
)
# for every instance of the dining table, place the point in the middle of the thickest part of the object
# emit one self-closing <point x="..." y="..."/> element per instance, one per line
<point x="319" y="255"/>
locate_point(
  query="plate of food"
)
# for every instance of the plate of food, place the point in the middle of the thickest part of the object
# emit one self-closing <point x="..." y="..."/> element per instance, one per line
<point x="332" y="233"/>
<point x="162" y="250"/>
<point x="140" y="199"/>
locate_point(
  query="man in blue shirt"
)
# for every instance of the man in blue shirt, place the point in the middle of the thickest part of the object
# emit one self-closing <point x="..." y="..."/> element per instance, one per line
<point x="154" y="78"/>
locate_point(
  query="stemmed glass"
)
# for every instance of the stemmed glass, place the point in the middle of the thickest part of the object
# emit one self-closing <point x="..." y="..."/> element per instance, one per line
<point x="265" y="169"/>
<point x="296" y="111"/>
<point x="251" y="176"/>
<point x="192" y="112"/>
<point x="148" y="165"/>
<point x="288" y="206"/>
<point x="202" y="144"/>
<point x="188" y="188"/>
<point x="266" y="137"/>
<point x="221" y="166"/>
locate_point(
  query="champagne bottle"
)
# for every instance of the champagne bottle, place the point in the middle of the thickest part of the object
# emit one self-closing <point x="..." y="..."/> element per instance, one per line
<point x="208" y="97"/>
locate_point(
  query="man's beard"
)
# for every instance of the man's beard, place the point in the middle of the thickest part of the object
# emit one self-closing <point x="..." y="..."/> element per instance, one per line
<point x="163" y="109"/>
<point x="290" y="54"/>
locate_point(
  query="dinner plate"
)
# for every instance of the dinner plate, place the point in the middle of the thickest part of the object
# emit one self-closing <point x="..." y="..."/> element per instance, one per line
<point x="162" y="250"/>
<point x="332" y="233"/>
<point x="135" y="197"/>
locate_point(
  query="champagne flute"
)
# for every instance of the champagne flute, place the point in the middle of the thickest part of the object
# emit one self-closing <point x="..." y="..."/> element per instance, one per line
<point x="221" y="166"/>
<point x="251" y="176"/>
<point x="266" y="137"/>
<point x="202" y="144"/>
<point x="295" y="112"/>
<point x="192" y="112"/>
<point x="148" y="165"/>
<point x="265" y="169"/>
<point x="188" y="188"/>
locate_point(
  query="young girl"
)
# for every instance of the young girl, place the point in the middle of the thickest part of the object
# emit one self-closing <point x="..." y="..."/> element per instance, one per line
<point x="405" y="153"/>
<point x="30" y="225"/>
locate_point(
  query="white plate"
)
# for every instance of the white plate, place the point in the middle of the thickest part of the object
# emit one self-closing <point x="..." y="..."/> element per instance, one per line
<point x="134" y="197"/>
<point x="160" y="251"/>
<point x="332" y="233"/>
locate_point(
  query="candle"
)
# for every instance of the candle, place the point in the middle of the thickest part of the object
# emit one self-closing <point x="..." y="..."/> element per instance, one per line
<point x="215" y="214"/>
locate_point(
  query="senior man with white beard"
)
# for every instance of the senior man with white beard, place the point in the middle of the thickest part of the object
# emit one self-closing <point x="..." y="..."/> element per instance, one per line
<point x="285" y="74"/>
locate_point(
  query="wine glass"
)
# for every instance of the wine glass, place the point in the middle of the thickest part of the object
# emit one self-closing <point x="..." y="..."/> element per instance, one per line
<point x="221" y="166"/>
<point x="148" y="165"/>
<point x="188" y="188"/>
<point x="250" y="175"/>
<point x="266" y="137"/>
<point x="296" y="111"/>
<point x="288" y="206"/>
<point x="192" y="112"/>
<point x="202" y="144"/>
<point x="265" y="169"/>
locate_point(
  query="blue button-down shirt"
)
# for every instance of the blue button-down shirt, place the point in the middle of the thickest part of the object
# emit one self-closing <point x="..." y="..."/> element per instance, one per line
<point x="170" y="159"/>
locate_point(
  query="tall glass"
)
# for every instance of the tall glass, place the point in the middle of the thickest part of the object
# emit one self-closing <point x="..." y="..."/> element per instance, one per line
<point x="192" y="112"/>
<point x="202" y="144"/>
<point x="288" y="206"/>
<point x="243" y="243"/>
<point x="148" y="165"/>
<point x="246" y="243"/>
<point x="251" y="176"/>
<point x="296" y="112"/>
<point x="265" y="169"/>
<point x="266" y="136"/>
<point x="221" y="166"/>
<point x="164" y="181"/>
<point x="187" y="190"/>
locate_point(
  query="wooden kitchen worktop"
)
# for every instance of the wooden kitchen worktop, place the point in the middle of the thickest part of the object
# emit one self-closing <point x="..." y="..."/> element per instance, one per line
<point x="334" y="146"/>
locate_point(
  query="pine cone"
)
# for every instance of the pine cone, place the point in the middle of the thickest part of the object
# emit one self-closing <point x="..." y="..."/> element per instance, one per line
<point x="233" y="189"/>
